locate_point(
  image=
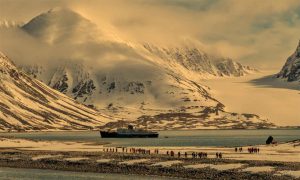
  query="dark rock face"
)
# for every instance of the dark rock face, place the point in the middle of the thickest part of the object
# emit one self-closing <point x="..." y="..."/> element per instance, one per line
<point x="62" y="84"/>
<point x="291" y="69"/>
<point x="135" y="87"/>
<point x="294" y="73"/>
<point x="84" y="88"/>
<point x="269" y="140"/>
<point x="111" y="87"/>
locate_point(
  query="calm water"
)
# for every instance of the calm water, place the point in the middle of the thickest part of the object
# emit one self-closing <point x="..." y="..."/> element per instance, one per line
<point x="31" y="174"/>
<point x="175" y="138"/>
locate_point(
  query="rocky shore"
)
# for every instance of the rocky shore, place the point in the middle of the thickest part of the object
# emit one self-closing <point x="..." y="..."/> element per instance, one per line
<point x="142" y="164"/>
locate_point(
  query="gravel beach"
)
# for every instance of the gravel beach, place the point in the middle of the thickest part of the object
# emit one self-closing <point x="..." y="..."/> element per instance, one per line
<point x="91" y="162"/>
<point x="72" y="156"/>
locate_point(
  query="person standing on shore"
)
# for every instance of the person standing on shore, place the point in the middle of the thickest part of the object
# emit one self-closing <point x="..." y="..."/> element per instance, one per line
<point x="172" y="153"/>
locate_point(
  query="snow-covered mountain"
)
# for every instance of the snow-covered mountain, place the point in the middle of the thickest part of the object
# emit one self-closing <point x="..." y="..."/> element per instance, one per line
<point x="188" y="57"/>
<point x="28" y="104"/>
<point x="63" y="25"/>
<point x="79" y="81"/>
<point x="291" y="69"/>
<point x="148" y="85"/>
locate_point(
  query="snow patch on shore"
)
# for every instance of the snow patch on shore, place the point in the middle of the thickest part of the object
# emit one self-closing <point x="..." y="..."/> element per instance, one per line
<point x="259" y="169"/>
<point x="224" y="167"/>
<point x="197" y="166"/>
<point x="104" y="160"/>
<point x="167" y="163"/>
<point x="134" y="161"/>
<point x="45" y="157"/>
<point x="76" y="159"/>
<point x="295" y="174"/>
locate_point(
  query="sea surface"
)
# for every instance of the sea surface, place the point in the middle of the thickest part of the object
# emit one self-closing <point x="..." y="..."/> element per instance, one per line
<point x="32" y="174"/>
<point x="195" y="138"/>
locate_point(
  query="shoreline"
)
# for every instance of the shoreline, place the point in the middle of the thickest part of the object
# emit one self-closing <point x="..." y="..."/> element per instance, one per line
<point x="87" y="157"/>
<point x="115" y="174"/>
<point x="18" y="159"/>
<point x="159" y="130"/>
<point x="106" y="141"/>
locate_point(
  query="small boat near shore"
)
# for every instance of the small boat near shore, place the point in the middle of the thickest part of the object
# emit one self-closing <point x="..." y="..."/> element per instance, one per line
<point x="130" y="132"/>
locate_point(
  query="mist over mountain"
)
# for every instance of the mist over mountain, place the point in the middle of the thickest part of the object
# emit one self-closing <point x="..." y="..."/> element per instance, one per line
<point x="62" y="25"/>
<point x="151" y="83"/>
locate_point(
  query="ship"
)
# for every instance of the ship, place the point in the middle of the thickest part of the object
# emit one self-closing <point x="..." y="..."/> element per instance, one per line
<point x="130" y="132"/>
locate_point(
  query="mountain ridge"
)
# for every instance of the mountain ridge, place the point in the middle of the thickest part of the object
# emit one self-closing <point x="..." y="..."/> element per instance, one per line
<point x="27" y="104"/>
<point x="291" y="69"/>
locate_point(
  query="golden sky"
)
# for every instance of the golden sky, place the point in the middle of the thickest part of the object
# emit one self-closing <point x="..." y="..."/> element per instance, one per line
<point x="259" y="33"/>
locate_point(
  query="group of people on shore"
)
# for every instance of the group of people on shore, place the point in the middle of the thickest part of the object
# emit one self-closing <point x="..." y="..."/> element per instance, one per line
<point x="139" y="151"/>
<point x="185" y="154"/>
<point x="110" y="149"/>
<point x="130" y="150"/>
<point x="253" y="150"/>
<point x="250" y="149"/>
<point x="240" y="149"/>
<point x="194" y="154"/>
<point x="219" y="155"/>
<point x="199" y="155"/>
<point x="171" y="153"/>
<point x="156" y="151"/>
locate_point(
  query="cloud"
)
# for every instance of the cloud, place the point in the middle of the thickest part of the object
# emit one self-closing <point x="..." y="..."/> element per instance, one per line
<point x="259" y="33"/>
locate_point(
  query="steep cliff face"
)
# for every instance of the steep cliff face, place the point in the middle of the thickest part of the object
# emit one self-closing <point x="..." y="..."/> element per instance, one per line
<point x="291" y="69"/>
<point x="28" y="104"/>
